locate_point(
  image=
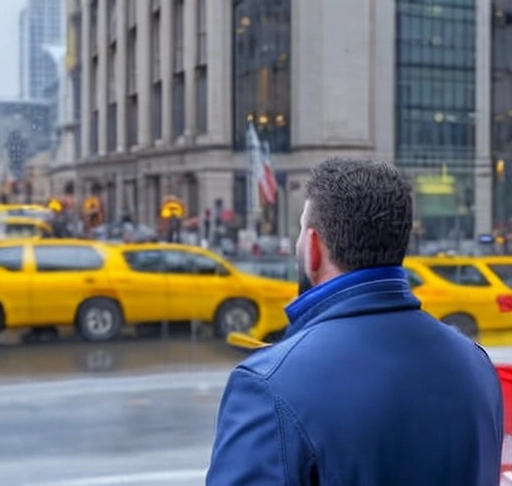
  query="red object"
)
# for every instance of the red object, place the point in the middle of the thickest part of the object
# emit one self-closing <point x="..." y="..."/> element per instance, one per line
<point x="505" y="375"/>
<point x="227" y="215"/>
<point x="504" y="303"/>
<point x="267" y="183"/>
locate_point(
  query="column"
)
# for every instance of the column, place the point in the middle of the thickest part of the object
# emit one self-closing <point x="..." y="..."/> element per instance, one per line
<point x="166" y="50"/>
<point x="144" y="70"/>
<point x="190" y="41"/>
<point x="103" y="45"/>
<point x="383" y="78"/>
<point x="483" y="164"/>
<point x="121" y="70"/>
<point x="219" y="15"/>
<point x="86" y="81"/>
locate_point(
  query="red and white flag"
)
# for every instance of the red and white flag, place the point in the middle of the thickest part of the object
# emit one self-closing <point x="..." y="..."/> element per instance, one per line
<point x="259" y="159"/>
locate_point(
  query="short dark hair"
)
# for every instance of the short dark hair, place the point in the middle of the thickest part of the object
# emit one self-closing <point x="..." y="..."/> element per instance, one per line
<point x="362" y="210"/>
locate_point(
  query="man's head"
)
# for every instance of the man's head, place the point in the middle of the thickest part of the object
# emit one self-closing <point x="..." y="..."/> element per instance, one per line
<point x="357" y="214"/>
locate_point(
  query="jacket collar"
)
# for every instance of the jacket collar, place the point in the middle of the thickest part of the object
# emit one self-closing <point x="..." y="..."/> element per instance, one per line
<point x="359" y="292"/>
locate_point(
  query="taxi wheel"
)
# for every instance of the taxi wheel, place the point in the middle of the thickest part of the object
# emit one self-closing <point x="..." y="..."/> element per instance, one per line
<point x="464" y="323"/>
<point x="99" y="319"/>
<point x="236" y="315"/>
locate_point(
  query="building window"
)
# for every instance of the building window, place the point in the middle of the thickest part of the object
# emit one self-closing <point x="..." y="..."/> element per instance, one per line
<point x="132" y="61"/>
<point x="111" y="70"/>
<point x="156" y="112"/>
<point x="178" y="105"/>
<point x="112" y="126"/>
<point x="132" y="13"/>
<point x="94" y="107"/>
<point x="435" y="110"/>
<point x="261" y="56"/>
<point x="178" y="81"/>
<point x="156" y="75"/>
<point x="201" y="33"/>
<point x="132" y="125"/>
<point x="93" y="143"/>
<point x="201" y="71"/>
<point x="112" y="20"/>
<point x="178" y="36"/>
<point x="93" y="9"/>
<point x="436" y="82"/>
<point x="502" y="112"/>
<point x="201" y="100"/>
<point x="155" y="47"/>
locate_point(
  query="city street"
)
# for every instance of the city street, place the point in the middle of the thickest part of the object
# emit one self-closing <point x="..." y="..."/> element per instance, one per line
<point x="134" y="412"/>
<point x="137" y="412"/>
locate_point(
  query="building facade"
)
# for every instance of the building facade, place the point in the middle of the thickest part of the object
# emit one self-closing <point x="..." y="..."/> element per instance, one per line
<point x="166" y="89"/>
<point x="502" y="112"/>
<point x="28" y="121"/>
<point x="42" y="27"/>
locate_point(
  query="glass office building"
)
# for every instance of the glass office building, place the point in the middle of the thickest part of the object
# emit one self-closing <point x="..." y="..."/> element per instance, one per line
<point x="435" y="110"/>
<point x="502" y="113"/>
<point x="261" y="71"/>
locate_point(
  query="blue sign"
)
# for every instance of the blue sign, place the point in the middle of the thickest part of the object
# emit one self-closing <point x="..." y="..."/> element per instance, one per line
<point x="486" y="239"/>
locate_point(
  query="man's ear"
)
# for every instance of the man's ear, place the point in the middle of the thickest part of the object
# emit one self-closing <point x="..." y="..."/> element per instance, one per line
<point x="315" y="250"/>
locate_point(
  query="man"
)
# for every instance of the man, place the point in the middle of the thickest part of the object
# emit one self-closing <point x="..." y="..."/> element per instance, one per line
<point x="365" y="389"/>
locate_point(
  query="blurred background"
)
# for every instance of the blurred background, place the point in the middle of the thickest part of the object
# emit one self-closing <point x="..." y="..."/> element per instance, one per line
<point x="130" y="126"/>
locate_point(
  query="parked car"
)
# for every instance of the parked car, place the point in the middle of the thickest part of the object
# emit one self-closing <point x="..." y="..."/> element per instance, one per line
<point x="98" y="288"/>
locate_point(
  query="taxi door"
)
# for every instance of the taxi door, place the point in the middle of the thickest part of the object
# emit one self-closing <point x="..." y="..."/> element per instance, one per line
<point x="140" y="284"/>
<point x="195" y="286"/>
<point x="63" y="277"/>
<point x="15" y="280"/>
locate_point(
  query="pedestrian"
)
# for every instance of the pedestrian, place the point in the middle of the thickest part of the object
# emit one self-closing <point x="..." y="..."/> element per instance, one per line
<point x="365" y="389"/>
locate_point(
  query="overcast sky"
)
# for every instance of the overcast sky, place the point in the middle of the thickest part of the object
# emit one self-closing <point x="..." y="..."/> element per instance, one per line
<point x="9" y="47"/>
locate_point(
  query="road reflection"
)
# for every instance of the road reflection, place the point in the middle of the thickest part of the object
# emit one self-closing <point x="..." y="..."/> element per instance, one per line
<point x="180" y="348"/>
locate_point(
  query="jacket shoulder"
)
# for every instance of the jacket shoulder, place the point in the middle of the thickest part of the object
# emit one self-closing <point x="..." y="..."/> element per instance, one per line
<point x="266" y="361"/>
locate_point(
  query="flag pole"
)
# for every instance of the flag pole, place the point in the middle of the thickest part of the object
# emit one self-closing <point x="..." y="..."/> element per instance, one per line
<point x="254" y="154"/>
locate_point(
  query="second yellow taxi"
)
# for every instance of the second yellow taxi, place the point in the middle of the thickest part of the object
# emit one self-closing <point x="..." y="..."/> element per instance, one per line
<point x="99" y="287"/>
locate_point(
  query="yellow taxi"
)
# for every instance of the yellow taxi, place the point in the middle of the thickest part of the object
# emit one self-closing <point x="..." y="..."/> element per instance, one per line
<point x="473" y="294"/>
<point x="35" y="211"/>
<point x="15" y="227"/>
<point x="99" y="287"/>
<point x="180" y="282"/>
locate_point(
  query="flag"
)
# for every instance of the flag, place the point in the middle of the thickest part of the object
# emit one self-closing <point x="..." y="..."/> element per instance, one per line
<point x="259" y="160"/>
<point x="270" y="180"/>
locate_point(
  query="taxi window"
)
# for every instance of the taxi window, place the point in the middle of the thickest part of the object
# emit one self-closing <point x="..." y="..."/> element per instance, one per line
<point x="504" y="272"/>
<point x="178" y="262"/>
<point x="182" y="262"/>
<point x="15" y="230"/>
<point x="11" y="258"/>
<point x="204" y="265"/>
<point x="67" y="258"/>
<point x="144" y="261"/>
<point x="466" y="275"/>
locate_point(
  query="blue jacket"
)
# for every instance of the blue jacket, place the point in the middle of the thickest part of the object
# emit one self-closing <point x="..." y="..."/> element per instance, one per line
<point x="366" y="390"/>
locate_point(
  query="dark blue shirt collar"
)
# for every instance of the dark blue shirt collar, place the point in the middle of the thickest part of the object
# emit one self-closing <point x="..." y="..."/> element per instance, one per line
<point x="302" y="306"/>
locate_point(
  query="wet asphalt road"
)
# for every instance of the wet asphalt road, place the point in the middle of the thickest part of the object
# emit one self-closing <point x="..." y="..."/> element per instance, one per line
<point x="132" y="412"/>
<point x="136" y="411"/>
